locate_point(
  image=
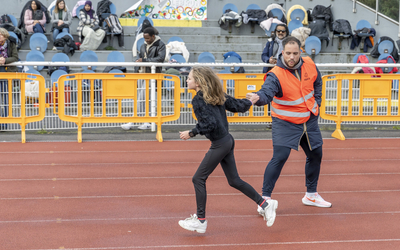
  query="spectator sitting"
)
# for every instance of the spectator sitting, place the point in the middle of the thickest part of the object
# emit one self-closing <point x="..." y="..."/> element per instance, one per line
<point x="35" y="18"/>
<point x="8" y="52"/>
<point x="89" y="28"/>
<point x="152" y="50"/>
<point x="61" y="19"/>
<point x="274" y="46"/>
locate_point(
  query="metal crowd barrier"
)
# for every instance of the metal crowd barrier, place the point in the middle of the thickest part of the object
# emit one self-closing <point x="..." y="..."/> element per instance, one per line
<point x="22" y="99"/>
<point x="118" y="98"/>
<point x="359" y="97"/>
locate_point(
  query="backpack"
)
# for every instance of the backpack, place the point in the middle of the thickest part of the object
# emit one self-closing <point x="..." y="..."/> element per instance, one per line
<point x="342" y="29"/>
<point x="323" y="13"/>
<point x="375" y="52"/>
<point x="385" y="60"/>
<point x="364" y="59"/>
<point x="5" y="19"/>
<point x="113" y="24"/>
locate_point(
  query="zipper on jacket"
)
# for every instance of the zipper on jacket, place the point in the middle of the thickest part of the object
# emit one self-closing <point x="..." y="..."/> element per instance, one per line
<point x="305" y="132"/>
<point x="308" y="140"/>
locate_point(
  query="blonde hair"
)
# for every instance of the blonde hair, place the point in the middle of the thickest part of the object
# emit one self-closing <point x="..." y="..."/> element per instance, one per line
<point x="210" y="85"/>
<point x="56" y="7"/>
<point x="4" y="33"/>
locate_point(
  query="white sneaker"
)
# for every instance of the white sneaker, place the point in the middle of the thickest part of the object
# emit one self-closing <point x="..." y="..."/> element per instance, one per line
<point x="270" y="212"/>
<point x="54" y="48"/>
<point x="315" y="200"/>
<point x="145" y="126"/>
<point x="260" y="211"/>
<point x="193" y="224"/>
<point x="127" y="126"/>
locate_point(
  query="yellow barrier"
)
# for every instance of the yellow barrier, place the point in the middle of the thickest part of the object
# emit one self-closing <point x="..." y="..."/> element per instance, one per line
<point x="359" y="98"/>
<point x="22" y="105"/>
<point x="243" y="84"/>
<point x="115" y="88"/>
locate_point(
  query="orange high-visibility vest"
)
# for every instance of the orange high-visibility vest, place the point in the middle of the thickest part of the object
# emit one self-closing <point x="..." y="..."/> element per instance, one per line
<point x="298" y="96"/>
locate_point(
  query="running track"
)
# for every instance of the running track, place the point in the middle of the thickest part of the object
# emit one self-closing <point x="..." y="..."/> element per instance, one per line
<point x="130" y="195"/>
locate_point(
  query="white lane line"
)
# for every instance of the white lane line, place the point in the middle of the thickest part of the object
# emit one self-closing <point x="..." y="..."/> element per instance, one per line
<point x="176" y="150"/>
<point x="180" y="162"/>
<point x="235" y="244"/>
<point x="210" y="216"/>
<point x="185" y="177"/>
<point x="183" y="195"/>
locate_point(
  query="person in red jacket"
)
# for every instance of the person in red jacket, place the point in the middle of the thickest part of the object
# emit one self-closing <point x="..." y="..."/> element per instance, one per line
<point x="294" y="89"/>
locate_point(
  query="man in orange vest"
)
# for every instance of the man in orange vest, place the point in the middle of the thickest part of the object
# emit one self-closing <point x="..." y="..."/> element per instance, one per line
<point x="294" y="89"/>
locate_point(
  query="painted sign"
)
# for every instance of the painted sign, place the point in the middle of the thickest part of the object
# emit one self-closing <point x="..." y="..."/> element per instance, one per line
<point x="168" y="9"/>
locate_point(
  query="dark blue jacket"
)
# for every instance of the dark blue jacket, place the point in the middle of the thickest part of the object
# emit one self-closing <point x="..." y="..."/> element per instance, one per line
<point x="285" y="133"/>
<point x="267" y="53"/>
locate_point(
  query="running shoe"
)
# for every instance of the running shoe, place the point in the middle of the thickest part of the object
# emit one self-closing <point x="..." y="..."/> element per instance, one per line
<point x="270" y="212"/>
<point x="193" y="224"/>
<point x="127" y="126"/>
<point x="315" y="200"/>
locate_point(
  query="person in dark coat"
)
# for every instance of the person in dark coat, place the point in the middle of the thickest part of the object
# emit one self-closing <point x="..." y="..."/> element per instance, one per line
<point x="274" y="46"/>
<point x="294" y="89"/>
<point x="152" y="50"/>
<point x="8" y="54"/>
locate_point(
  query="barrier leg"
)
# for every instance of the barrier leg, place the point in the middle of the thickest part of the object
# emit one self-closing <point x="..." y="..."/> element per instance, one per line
<point x="159" y="134"/>
<point x="338" y="132"/>
<point x="79" y="133"/>
<point x="23" y="138"/>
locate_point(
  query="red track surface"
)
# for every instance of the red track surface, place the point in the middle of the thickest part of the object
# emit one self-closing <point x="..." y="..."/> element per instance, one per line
<point x="130" y="195"/>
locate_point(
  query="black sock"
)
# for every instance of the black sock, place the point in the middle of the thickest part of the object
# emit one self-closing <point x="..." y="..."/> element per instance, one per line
<point x="264" y="204"/>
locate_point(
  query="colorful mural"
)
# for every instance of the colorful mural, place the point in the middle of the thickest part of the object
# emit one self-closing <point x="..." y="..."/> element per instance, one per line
<point x="169" y="9"/>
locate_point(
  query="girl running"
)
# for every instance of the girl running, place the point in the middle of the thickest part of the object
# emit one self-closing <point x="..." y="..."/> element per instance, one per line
<point x="209" y="106"/>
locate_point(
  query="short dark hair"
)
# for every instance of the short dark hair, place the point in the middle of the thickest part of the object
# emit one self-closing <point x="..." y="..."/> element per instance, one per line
<point x="150" y="31"/>
<point x="290" y="40"/>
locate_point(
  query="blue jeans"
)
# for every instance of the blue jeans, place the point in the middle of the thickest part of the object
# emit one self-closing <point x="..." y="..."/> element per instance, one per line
<point x="56" y="32"/>
<point x="38" y="28"/>
<point x="3" y="99"/>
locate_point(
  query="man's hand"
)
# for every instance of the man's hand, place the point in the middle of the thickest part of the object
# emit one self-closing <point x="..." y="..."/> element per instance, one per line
<point x="139" y="60"/>
<point x="252" y="97"/>
<point x="184" y="135"/>
<point x="272" y="60"/>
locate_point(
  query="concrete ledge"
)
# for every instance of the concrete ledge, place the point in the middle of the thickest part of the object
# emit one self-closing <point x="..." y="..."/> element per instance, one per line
<point x="163" y="22"/>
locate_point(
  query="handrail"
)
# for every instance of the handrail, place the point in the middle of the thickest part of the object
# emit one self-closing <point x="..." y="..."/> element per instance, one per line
<point x="135" y="64"/>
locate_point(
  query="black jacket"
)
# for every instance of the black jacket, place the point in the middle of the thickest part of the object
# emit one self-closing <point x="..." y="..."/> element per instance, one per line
<point x="156" y="53"/>
<point x="12" y="56"/>
<point x="212" y="120"/>
<point x="68" y="43"/>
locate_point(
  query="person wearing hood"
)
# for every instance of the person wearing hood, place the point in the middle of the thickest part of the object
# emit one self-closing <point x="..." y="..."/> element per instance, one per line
<point x="89" y="28"/>
<point x="8" y="54"/>
<point x="294" y="89"/>
<point x="274" y="48"/>
<point x="61" y="19"/>
<point x="35" y="18"/>
<point x="152" y="50"/>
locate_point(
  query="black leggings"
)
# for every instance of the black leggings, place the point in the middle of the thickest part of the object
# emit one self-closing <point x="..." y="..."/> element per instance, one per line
<point x="281" y="154"/>
<point x="221" y="151"/>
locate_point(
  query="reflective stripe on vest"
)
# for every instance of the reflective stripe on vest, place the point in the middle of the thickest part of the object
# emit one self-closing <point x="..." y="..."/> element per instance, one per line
<point x="297" y="102"/>
<point x="290" y="114"/>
